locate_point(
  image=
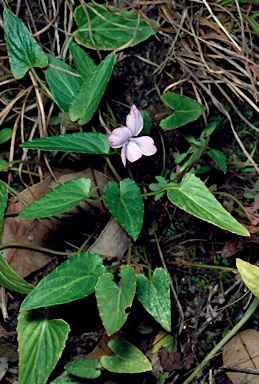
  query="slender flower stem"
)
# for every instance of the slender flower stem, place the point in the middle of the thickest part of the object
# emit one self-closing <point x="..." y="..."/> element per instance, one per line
<point x="112" y="168"/>
<point x="225" y="339"/>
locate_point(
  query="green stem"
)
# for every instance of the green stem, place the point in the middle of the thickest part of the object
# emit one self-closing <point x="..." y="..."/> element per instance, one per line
<point x="225" y="339"/>
<point x="238" y="203"/>
<point x="194" y="265"/>
<point x="112" y="168"/>
<point x="18" y="195"/>
<point x="35" y="248"/>
<point x="41" y="83"/>
<point x="64" y="53"/>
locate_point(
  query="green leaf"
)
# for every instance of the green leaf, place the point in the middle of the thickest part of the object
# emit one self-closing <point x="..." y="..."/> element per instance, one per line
<point x="66" y="378"/>
<point x="209" y="129"/>
<point x="3" y="202"/>
<point x="147" y="123"/>
<point x="154" y="295"/>
<point x="86" y="368"/>
<point x="113" y="300"/>
<point x="87" y="98"/>
<point x="72" y="280"/>
<point x="253" y="23"/>
<point x="110" y="28"/>
<point x="10" y="280"/>
<point x="23" y="50"/>
<point x="127" y="359"/>
<point x="219" y="158"/>
<point x="81" y="142"/>
<point x="126" y="205"/>
<point x="166" y="340"/>
<point x="5" y="134"/>
<point x="194" y="197"/>
<point x="59" y="200"/>
<point x="250" y="275"/>
<point x="84" y="64"/>
<point x="63" y="82"/>
<point x="41" y="342"/>
<point x="185" y="110"/>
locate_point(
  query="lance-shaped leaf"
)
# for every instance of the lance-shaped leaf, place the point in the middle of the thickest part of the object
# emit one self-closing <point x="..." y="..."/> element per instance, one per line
<point x="154" y="295"/>
<point x="63" y="82"/>
<point x="127" y="358"/>
<point x="3" y="202"/>
<point x="126" y="205"/>
<point x="72" y="280"/>
<point x="219" y="158"/>
<point x="86" y="368"/>
<point x="113" y="300"/>
<point x="40" y="344"/>
<point x="23" y="50"/>
<point x="83" y="62"/>
<point x="59" y="200"/>
<point x="194" y="197"/>
<point x="250" y="275"/>
<point x="108" y="28"/>
<point x="80" y="142"/>
<point x="185" y="110"/>
<point x="87" y="98"/>
<point x="10" y="280"/>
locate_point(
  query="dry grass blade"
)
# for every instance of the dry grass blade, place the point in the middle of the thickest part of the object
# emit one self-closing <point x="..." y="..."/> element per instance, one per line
<point x="210" y="56"/>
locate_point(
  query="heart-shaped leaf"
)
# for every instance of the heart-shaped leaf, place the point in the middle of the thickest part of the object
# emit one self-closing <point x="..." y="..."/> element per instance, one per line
<point x="86" y="368"/>
<point x="63" y="82"/>
<point x="126" y="205"/>
<point x="59" y="200"/>
<point x="83" y="62"/>
<point x="194" y="197"/>
<point x="154" y="295"/>
<point x="109" y="28"/>
<point x="23" y="50"/>
<point x="41" y="342"/>
<point x="10" y="280"/>
<point x="250" y="275"/>
<point x="127" y="359"/>
<point x="87" y="98"/>
<point x="113" y="300"/>
<point x="72" y="280"/>
<point x="93" y="143"/>
<point x="185" y="110"/>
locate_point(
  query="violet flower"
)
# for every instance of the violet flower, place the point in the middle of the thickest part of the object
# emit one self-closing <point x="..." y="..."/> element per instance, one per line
<point x="132" y="147"/>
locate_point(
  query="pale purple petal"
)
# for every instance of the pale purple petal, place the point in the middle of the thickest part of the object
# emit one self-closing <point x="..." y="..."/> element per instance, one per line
<point x="132" y="151"/>
<point x="145" y="145"/>
<point x="134" y="120"/>
<point x="123" y="154"/>
<point x="119" y="137"/>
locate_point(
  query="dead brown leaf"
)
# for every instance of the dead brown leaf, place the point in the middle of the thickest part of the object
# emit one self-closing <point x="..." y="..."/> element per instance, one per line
<point x="32" y="232"/>
<point x="37" y="232"/>
<point x="242" y="351"/>
<point x="112" y="242"/>
<point x="102" y="348"/>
